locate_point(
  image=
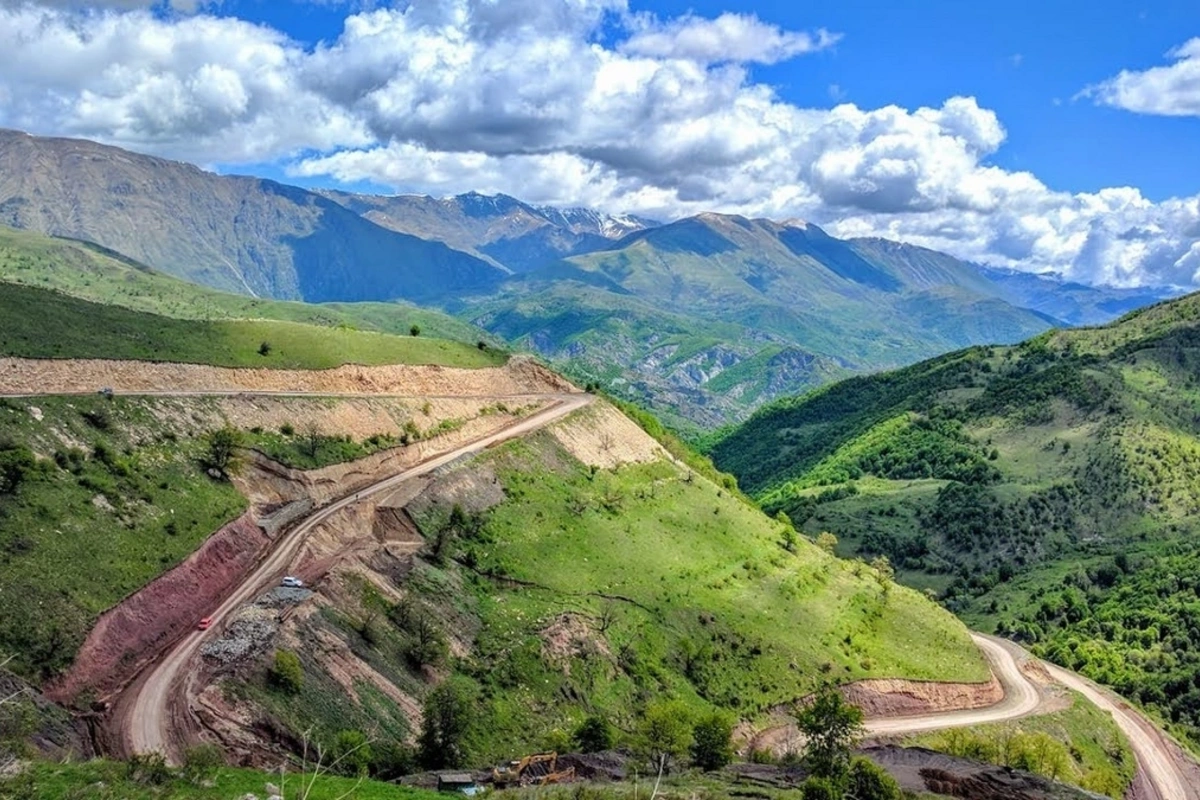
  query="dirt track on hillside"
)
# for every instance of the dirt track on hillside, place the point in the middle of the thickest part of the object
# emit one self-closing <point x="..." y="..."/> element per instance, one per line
<point x="1168" y="773"/>
<point x="24" y="376"/>
<point x="150" y="716"/>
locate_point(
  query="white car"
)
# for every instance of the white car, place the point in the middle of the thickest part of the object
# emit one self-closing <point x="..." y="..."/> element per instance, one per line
<point x="292" y="583"/>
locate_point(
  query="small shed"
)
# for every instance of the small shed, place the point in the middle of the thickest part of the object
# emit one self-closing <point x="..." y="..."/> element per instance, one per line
<point x="458" y="782"/>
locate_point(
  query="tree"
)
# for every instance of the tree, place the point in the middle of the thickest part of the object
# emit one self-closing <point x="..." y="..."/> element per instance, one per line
<point x="712" y="741"/>
<point x="447" y="724"/>
<point x="222" y="452"/>
<point x="868" y="781"/>
<point x="415" y="330"/>
<point x="790" y="542"/>
<point x="312" y="439"/>
<point x="831" y="728"/>
<point x="264" y="349"/>
<point x="883" y="574"/>
<point x="287" y="673"/>
<point x="595" y="734"/>
<point x="827" y="542"/>
<point x="350" y="753"/>
<point x="665" y="733"/>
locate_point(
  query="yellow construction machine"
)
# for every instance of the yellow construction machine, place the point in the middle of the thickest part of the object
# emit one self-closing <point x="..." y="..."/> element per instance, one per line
<point x="538" y="769"/>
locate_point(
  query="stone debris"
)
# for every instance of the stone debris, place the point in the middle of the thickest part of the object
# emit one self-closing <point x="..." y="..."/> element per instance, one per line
<point x="254" y="627"/>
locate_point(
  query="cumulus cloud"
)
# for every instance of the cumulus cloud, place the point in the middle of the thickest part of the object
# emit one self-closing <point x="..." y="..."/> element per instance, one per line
<point x="573" y="102"/>
<point x="729" y="37"/>
<point x="202" y="88"/>
<point x="186" y="6"/>
<point x="1172" y="90"/>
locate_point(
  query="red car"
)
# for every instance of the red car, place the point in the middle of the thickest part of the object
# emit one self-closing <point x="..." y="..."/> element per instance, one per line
<point x="205" y="623"/>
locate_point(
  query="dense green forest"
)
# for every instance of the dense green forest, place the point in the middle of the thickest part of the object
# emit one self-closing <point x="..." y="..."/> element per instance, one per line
<point x="1046" y="491"/>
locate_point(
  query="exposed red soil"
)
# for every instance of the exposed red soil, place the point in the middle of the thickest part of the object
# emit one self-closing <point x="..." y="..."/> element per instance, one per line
<point x="135" y="631"/>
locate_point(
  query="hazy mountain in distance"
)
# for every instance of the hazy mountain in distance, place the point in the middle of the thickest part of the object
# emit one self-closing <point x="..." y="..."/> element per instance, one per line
<point x="501" y="229"/>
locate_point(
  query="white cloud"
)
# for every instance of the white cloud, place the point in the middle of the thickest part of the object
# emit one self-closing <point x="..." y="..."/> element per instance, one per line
<point x="1172" y="90"/>
<point x="201" y="88"/>
<point x="572" y="102"/>
<point x="187" y="6"/>
<point x="730" y="37"/>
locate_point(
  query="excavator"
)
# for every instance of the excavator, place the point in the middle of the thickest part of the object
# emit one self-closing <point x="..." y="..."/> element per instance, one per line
<point x="539" y="769"/>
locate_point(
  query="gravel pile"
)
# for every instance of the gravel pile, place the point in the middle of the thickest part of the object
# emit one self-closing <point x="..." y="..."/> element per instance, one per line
<point x="282" y="597"/>
<point x="254" y="627"/>
<point x="250" y="633"/>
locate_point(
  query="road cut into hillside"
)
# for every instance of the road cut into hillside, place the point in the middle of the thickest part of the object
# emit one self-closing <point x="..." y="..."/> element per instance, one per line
<point x="24" y="377"/>
<point x="154" y="714"/>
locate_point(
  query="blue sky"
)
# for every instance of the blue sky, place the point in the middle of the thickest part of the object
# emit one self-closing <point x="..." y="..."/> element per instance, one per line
<point x="1041" y="136"/>
<point x="1025" y="59"/>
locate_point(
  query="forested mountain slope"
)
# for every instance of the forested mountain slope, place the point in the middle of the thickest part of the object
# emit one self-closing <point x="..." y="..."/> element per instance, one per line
<point x="706" y="318"/>
<point x="1050" y="491"/>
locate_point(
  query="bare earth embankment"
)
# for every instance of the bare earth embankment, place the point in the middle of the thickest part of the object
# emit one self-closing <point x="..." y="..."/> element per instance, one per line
<point x="24" y="376"/>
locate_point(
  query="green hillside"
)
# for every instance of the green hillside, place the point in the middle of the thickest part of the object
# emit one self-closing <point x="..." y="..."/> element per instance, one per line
<point x="66" y="299"/>
<point x="604" y="592"/>
<point x="90" y="272"/>
<point x="46" y="324"/>
<point x="707" y="318"/>
<point x="1049" y="491"/>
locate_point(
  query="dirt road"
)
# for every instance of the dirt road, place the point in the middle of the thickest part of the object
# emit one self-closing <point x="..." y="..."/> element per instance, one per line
<point x="1154" y="754"/>
<point x="145" y="719"/>
<point x="1021" y="698"/>
<point x="1164" y="777"/>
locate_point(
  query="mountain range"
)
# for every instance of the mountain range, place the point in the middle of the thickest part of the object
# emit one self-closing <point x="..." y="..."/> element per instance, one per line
<point x="703" y="319"/>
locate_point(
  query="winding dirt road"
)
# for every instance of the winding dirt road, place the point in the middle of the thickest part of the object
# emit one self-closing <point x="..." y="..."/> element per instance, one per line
<point x="1162" y="774"/>
<point x="144" y="714"/>
<point x="145" y="718"/>
<point x="1021" y="698"/>
<point x="1155" y="759"/>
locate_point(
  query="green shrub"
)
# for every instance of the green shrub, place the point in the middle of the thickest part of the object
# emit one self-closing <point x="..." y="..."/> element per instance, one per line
<point x="595" y="734"/>
<point x="712" y="741"/>
<point x="818" y="788"/>
<point x="349" y="754"/>
<point x="287" y="674"/>
<point x="391" y="760"/>
<point x="200" y="761"/>
<point x="148" y="769"/>
<point x="868" y="781"/>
